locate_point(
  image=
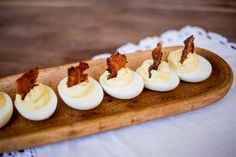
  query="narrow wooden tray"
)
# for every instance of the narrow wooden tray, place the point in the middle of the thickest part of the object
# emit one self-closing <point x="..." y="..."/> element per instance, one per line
<point x="68" y="123"/>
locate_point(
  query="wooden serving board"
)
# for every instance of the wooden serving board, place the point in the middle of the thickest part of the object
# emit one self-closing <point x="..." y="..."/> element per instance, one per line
<point x="67" y="123"/>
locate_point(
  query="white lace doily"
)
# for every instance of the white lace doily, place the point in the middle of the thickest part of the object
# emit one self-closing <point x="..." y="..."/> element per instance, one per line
<point x="208" y="40"/>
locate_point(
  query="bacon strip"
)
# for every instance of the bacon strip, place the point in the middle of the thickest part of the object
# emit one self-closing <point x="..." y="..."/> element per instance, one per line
<point x="76" y="74"/>
<point x="115" y="63"/>
<point x="156" y="56"/>
<point x="27" y="82"/>
<point x="189" y="47"/>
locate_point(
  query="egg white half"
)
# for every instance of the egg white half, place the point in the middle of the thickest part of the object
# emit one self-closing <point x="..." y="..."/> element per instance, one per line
<point x="200" y="74"/>
<point x="163" y="86"/>
<point x="131" y="90"/>
<point x="6" y="111"/>
<point x="86" y="102"/>
<point x="41" y="114"/>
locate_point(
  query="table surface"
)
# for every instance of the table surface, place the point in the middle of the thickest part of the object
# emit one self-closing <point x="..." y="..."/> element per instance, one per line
<point x="53" y="32"/>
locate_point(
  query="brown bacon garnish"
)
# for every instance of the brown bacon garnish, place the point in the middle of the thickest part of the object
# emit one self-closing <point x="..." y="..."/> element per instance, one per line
<point x="115" y="63"/>
<point x="76" y="74"/>
<point x="189" y="47"/>
<point x="27" y="82"/>
<point x="156" y="56"/>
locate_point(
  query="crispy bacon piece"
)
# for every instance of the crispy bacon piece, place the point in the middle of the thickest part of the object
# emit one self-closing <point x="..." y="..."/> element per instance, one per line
<point x="156" y="56"/>
<point x="76" y="74"/>
<point x="27" y="82"/>
<point x="115" y="63"/>
<point x="189" y="47"/>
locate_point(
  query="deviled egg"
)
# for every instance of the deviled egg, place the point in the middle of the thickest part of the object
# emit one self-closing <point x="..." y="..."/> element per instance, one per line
<point x="118" y="80"/>
<point x="156" y="73"/>
<point x="6" y="108"/>
<point x="80" y="91"/>
<point x="34" y="101"/>
<point x="188" y="65"/>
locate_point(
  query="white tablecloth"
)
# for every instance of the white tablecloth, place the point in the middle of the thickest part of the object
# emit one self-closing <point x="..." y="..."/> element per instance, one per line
<point x="206" y="132"/>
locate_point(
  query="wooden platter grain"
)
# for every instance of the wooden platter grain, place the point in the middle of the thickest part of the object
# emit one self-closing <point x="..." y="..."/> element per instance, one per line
<point x="67" y="123"/>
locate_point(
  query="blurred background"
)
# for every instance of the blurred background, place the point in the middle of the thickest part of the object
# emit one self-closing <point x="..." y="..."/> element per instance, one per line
<point x="53" y="32"/>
